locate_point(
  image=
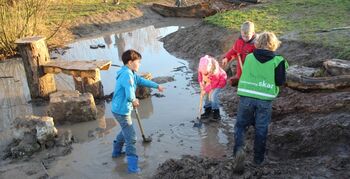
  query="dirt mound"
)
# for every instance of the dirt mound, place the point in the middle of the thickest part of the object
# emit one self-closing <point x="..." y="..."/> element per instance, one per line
<point x="193" y="42"/>
<point x="198" y="168"/>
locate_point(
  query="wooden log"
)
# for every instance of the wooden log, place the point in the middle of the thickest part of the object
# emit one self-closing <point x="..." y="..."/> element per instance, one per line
<point x="253" y="1"/>
<point x="337" y="67"/>
<point x="301" y="78"/>
<point x="34" y="53"/>
<point x="198" y="10"/>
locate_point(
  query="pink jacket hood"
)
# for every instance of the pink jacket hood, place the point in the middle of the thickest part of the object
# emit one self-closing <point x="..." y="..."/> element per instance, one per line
<point x="217" y="76"/>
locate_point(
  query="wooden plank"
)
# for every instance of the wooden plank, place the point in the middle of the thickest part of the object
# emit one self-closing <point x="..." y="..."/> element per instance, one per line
<point x="77" y="65"/>
<point x="28" y="40"/>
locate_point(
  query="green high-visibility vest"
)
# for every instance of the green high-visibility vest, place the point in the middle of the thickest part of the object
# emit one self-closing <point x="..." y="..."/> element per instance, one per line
<point x="258" y="79"/>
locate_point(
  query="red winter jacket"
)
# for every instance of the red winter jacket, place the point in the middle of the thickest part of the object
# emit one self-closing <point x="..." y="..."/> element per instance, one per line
<point x="243" y="48"/>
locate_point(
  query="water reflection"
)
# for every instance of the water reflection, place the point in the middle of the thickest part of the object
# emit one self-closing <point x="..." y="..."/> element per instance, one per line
<point x="119" y="42"/>
<point x="108" y="40"/>
<point x="210" y="145"/>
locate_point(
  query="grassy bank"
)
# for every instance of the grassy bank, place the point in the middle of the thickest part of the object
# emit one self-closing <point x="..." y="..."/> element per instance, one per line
<point x="41" y="17"/>
<point x="311" y="21"/>
<point x="80" y="8"/>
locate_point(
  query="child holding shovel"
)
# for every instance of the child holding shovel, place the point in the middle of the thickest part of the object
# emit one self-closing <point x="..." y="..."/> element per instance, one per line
<point x="263" y="73"/>
<point x="242" y="47"/>
<point x="211" y="78"/>
<point x="123" y="102"/>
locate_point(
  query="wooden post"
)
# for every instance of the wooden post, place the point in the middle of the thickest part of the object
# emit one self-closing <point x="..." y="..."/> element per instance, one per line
<point x="85" y="83"/>
<point x="34" y="53"/>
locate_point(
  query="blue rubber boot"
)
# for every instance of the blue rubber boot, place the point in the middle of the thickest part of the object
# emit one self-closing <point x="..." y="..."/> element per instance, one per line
<point x="132" y="164"/>
<point x="117" y="149"/>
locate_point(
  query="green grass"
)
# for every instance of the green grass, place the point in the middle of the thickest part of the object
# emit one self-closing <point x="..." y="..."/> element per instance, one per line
<point x="300" y="16"/>
<point x="80" y="8"/>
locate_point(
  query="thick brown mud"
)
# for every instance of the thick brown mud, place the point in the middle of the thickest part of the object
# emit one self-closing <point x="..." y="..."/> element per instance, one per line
<point x="309" y="132"/>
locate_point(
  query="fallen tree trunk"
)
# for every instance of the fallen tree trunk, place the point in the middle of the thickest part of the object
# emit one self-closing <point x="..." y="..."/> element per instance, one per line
<point x="301" y="78"/>
<point x="199" y="10"/>
<point x="337" y="67"/>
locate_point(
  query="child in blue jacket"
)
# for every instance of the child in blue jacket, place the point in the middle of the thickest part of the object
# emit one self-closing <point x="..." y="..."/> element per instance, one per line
<point x="123" y="102"/>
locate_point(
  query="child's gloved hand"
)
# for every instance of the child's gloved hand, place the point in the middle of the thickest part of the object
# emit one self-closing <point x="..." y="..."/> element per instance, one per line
<point x="136" y="103"/>
<point x="233" y="81"/>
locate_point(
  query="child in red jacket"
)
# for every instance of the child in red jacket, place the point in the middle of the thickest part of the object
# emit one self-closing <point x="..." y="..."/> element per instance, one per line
<point x="211" y="78"/>
<point x="242" y="47"/>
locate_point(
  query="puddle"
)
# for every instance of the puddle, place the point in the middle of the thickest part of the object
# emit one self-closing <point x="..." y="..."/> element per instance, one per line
<point x="168" y="120"/>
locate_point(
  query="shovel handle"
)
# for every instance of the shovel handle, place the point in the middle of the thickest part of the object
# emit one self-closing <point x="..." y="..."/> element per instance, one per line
<point x="240" y="61"/>
<point x="200" y="104"/>
<point x="139" y="122"/>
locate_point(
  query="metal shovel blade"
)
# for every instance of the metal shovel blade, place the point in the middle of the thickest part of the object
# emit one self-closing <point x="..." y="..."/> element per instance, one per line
<point x="197" y="123"/>
<point x="147" y="139"/>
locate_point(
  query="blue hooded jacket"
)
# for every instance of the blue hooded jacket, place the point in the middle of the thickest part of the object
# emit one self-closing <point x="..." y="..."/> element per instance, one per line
<point x="125" y="88"/>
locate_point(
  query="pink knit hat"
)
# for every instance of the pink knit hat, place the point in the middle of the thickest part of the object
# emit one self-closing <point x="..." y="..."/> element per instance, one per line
<point x="208" y="63"/>
<point x="204" y="64"/>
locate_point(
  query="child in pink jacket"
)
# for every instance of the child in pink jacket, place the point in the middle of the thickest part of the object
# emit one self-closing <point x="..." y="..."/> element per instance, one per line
<point x="211" y="78"/>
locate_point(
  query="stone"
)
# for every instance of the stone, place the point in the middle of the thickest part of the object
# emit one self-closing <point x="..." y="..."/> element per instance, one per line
<point x="163" y="79"/>
<point x="31" y="133"/>
<point x="42" y="127"/>
<point x="72" y="106"/>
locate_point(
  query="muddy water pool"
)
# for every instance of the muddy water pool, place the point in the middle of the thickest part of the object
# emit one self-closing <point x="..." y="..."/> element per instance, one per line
<point x="168" y="120"/>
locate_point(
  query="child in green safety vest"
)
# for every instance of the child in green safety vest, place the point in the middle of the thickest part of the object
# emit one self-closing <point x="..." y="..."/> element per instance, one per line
<point x="263" y="73"/>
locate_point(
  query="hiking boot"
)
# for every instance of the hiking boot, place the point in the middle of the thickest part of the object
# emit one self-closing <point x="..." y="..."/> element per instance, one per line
<point x="216" y="114"/>
<point x="238" y="165"/>
<point x="206" y="114"/>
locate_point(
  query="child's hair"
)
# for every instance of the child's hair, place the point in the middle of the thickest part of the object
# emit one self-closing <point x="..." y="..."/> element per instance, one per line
<point x="247" y="27"/>
<point x="267" y="41"/>
<point x="130" y="55"/>
<point x="208" y="64"/>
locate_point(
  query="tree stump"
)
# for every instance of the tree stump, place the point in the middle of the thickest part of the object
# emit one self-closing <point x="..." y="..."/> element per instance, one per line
<point x="92" y="85"/>
<point x="144" y="92"/>
<point x="34" y="53"/>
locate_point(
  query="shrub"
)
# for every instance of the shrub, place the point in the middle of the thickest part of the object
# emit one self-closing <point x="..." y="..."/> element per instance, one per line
<point x="20" y="18"/>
